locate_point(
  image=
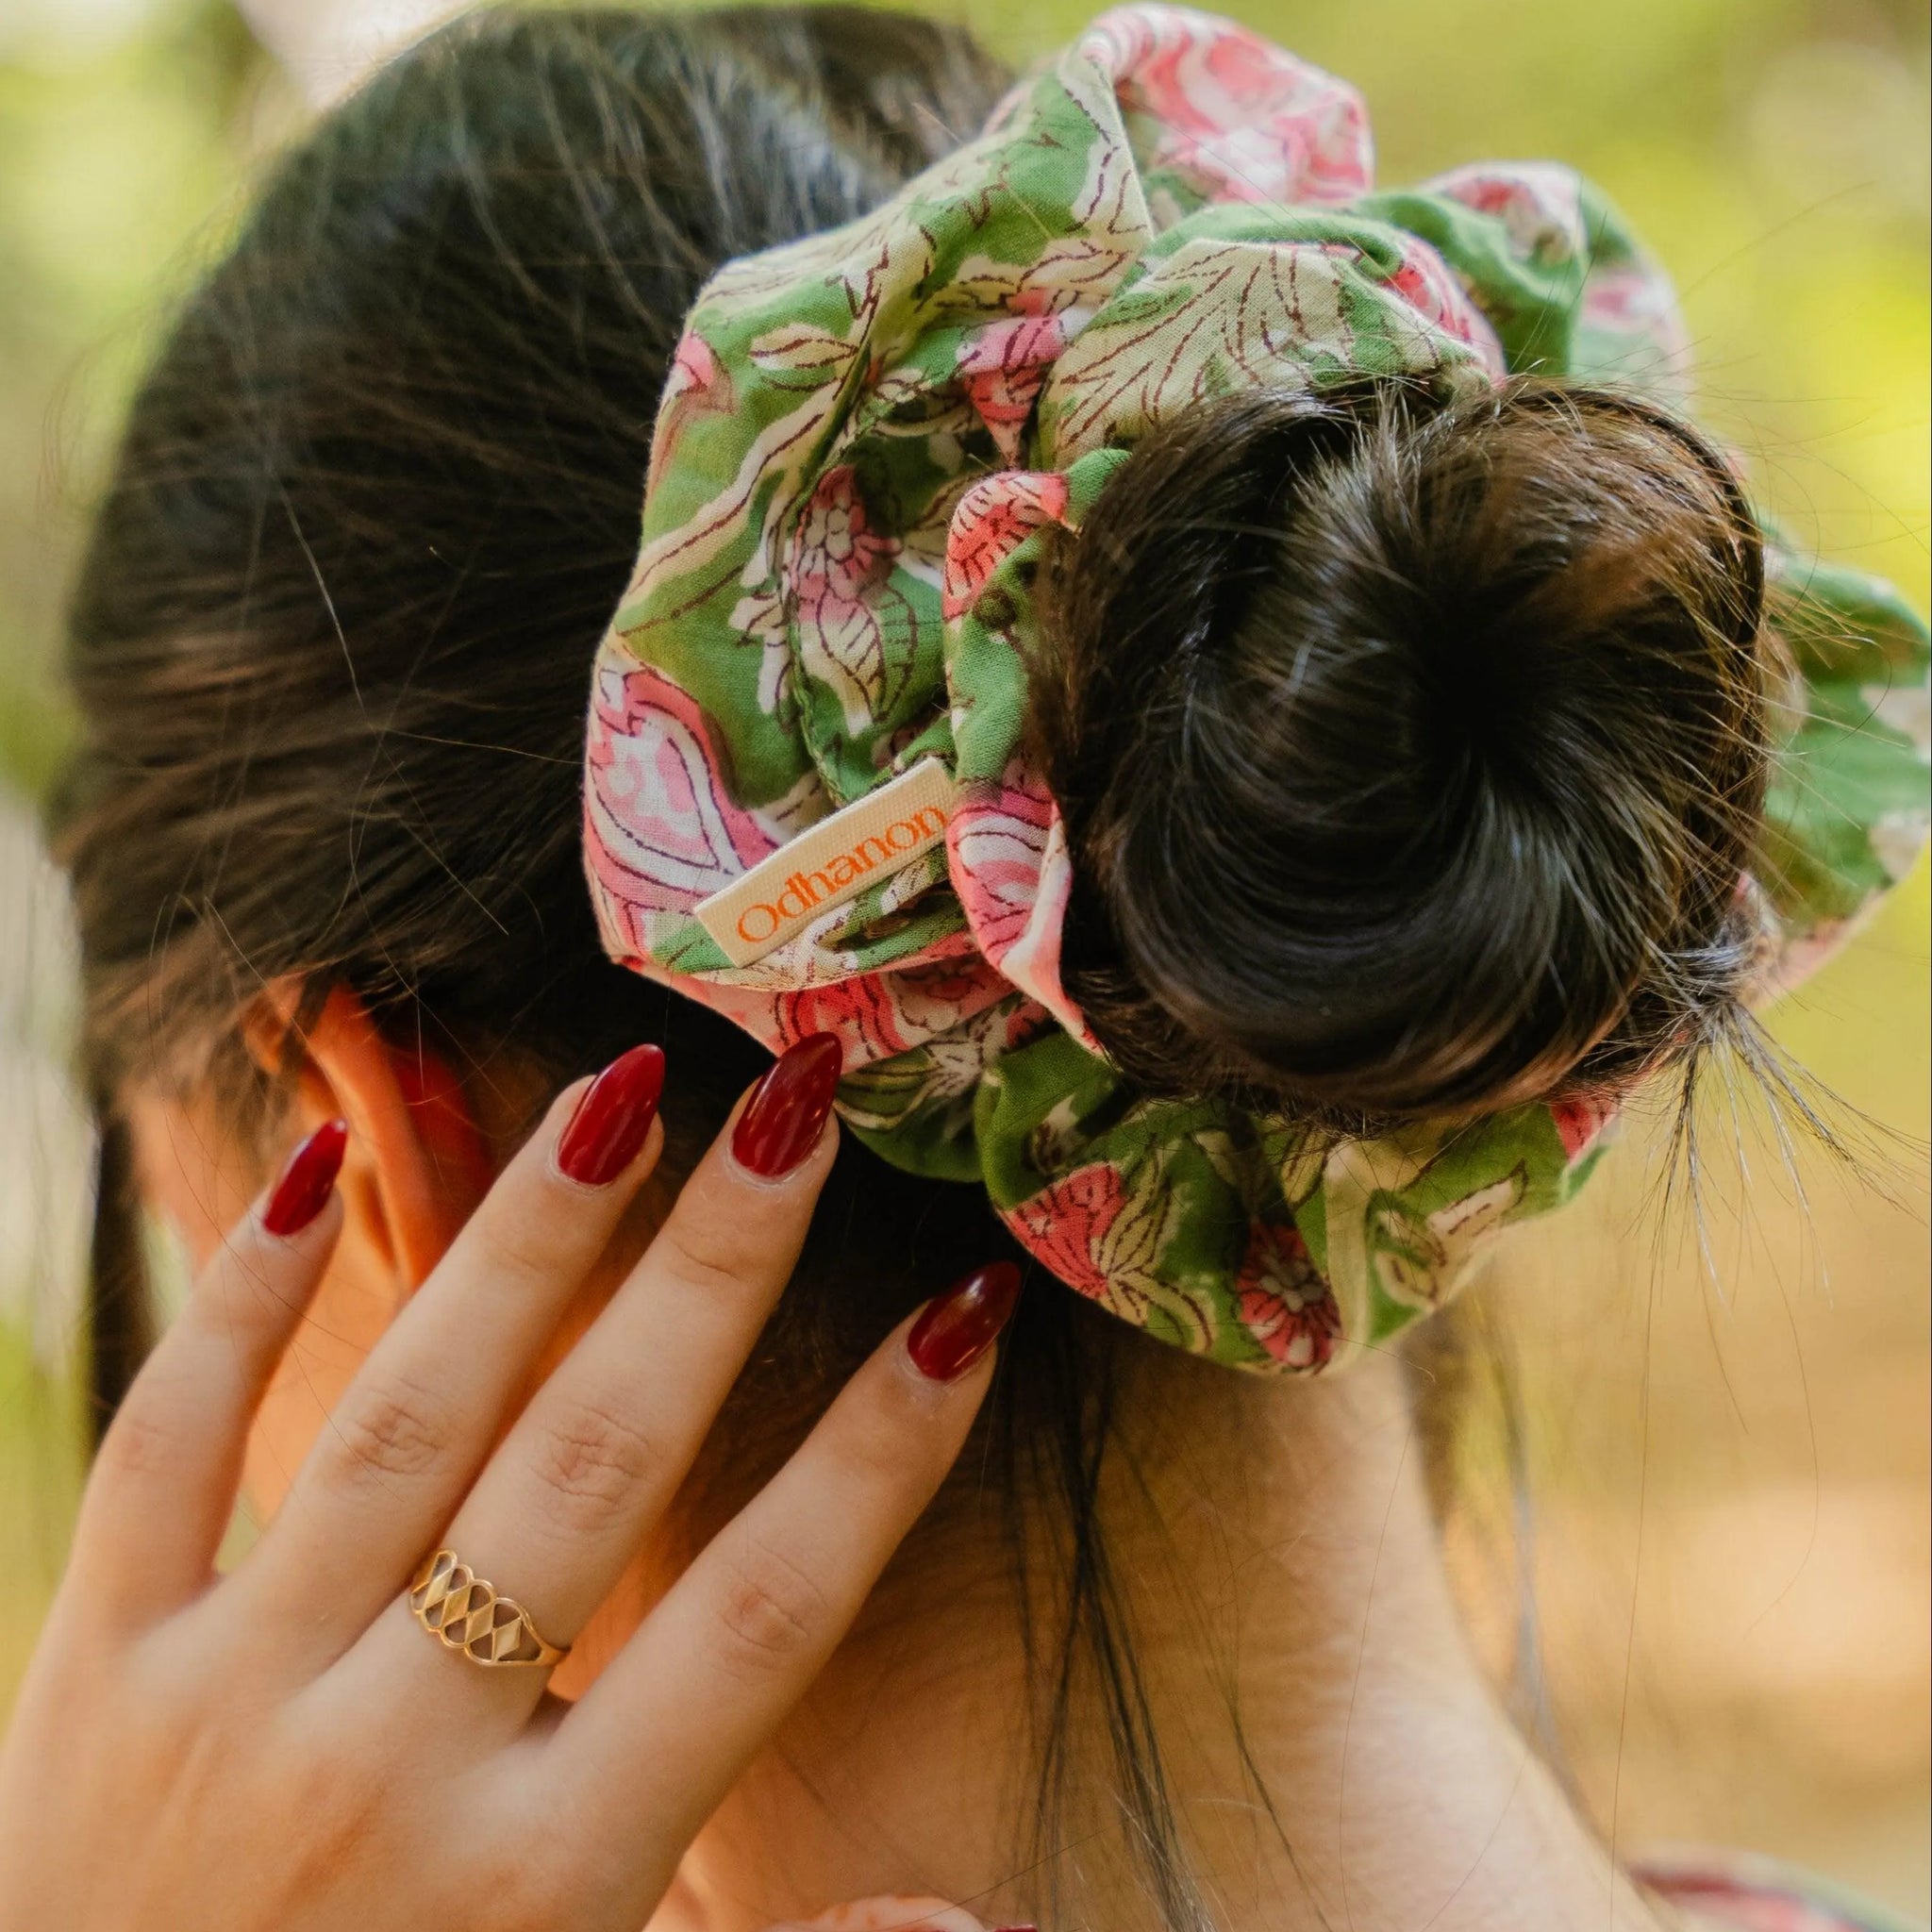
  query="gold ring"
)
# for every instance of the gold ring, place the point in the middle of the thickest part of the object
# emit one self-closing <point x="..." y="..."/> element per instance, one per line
<point x="464" y="1614"/>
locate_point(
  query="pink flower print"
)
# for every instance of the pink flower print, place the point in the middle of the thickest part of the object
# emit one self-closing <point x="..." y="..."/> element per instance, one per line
<point x="1251" y="75"/>
<point x="1106" y="1236"/>
<point x="661" y="828"/>
<point x="1538" y="203"/>
<point x="1579" y="1121"/>
<point x="940" y="1077"/>
<point x="837" y="554"/>
<point x="1025" y="1022"/>
<point x="880" y="1015"/>
<point x="838" y="577"/>
<point x="1032" y="961"/>
<point x="698" y="384"/>
<point x="1285" y="1304"/>
<point x="1004" y="367"/>
<point x="1638" y="302"/>
<point x="1006" y="851"/>
<point x="934" y="999"/>
<point x="1143" y="50"/>
<point x="1248" y="120"/>
<point x="994" y="847"/>
<point x="694" y="367"/>
<point x="1069" y="1226"/>
<point x="1425" y="283"/>
<point x="859" y="1010"/>
<point x="992" y="518"/>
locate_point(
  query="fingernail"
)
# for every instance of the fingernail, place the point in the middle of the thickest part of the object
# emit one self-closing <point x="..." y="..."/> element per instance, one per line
<point x="307" y="1181"/>
<point x="612" y="1118"/>
<point x="786" y="1114"/>
<point x="955" y="1328"/>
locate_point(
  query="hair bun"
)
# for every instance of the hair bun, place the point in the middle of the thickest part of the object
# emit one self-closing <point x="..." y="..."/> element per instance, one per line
<point x="1411" y="745"/>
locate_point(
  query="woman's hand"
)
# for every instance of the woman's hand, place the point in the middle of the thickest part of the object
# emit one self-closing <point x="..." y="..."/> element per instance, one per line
<point x="287" y="1747"/>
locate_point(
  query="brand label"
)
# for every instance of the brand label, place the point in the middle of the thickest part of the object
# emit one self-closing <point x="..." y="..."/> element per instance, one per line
<point x="865" y="842"/>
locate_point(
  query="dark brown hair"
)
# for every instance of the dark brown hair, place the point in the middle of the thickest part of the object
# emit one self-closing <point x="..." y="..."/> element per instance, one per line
<point x="1411" y="744"/>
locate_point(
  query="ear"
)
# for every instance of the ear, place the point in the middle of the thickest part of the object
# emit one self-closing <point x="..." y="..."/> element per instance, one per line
<point x="417" y="1164"/>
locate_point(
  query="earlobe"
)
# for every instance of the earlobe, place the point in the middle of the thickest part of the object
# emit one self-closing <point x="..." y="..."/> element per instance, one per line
<point x="418" y="1163"/>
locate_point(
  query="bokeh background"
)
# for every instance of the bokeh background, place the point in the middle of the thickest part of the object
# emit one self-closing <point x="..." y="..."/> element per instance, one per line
<point x="1726" y="1442"/>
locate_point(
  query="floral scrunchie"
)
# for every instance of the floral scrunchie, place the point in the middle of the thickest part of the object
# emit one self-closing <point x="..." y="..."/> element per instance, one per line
<point x="863" y="437"/>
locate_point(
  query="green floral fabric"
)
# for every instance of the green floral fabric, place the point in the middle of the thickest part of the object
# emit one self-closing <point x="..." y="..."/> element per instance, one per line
<point x="864" y="437"/>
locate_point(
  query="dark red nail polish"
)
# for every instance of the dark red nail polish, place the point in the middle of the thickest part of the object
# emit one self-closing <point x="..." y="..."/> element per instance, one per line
<point x="612" y="1118"/>
<point x="307" y="1181"/>
<point x="955" y="1328"/>
<point x="787" y="1111"/>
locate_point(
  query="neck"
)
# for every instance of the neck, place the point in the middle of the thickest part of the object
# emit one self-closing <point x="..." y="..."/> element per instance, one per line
<point x="1279" y="1561"/>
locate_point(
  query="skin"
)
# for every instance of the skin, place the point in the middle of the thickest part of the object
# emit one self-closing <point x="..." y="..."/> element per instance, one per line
<point x="327" y="1766"/>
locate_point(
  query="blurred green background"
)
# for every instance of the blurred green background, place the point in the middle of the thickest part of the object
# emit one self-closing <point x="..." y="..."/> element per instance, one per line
<point x="1728" y="1455"/>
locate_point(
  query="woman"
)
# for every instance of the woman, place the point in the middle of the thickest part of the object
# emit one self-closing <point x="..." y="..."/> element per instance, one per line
<point x="1169" y="1647"/>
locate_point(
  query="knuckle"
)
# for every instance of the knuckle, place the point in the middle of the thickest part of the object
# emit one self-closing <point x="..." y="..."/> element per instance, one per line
<point x="544" y="1856"/>
<point x="336" y="1821"/>
<point x="773" y="1614"/>
<point x="591" y="1460"/>
<point x="390" y="1429"/>
<point x="336" y="1813"/>
<point x="144" y="1440"/>
<point x="706" y="1256"/>
<point x="527" y="1249"/>
<point x="881" y="1448"/>
<point x="522" y="1891"/>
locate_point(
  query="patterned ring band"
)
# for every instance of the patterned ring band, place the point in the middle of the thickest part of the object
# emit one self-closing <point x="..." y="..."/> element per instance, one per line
<point x="464" y="1614"/>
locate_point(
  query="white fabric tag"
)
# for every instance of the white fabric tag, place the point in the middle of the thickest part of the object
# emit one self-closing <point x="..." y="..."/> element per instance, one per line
<point x="829" y="862"/>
